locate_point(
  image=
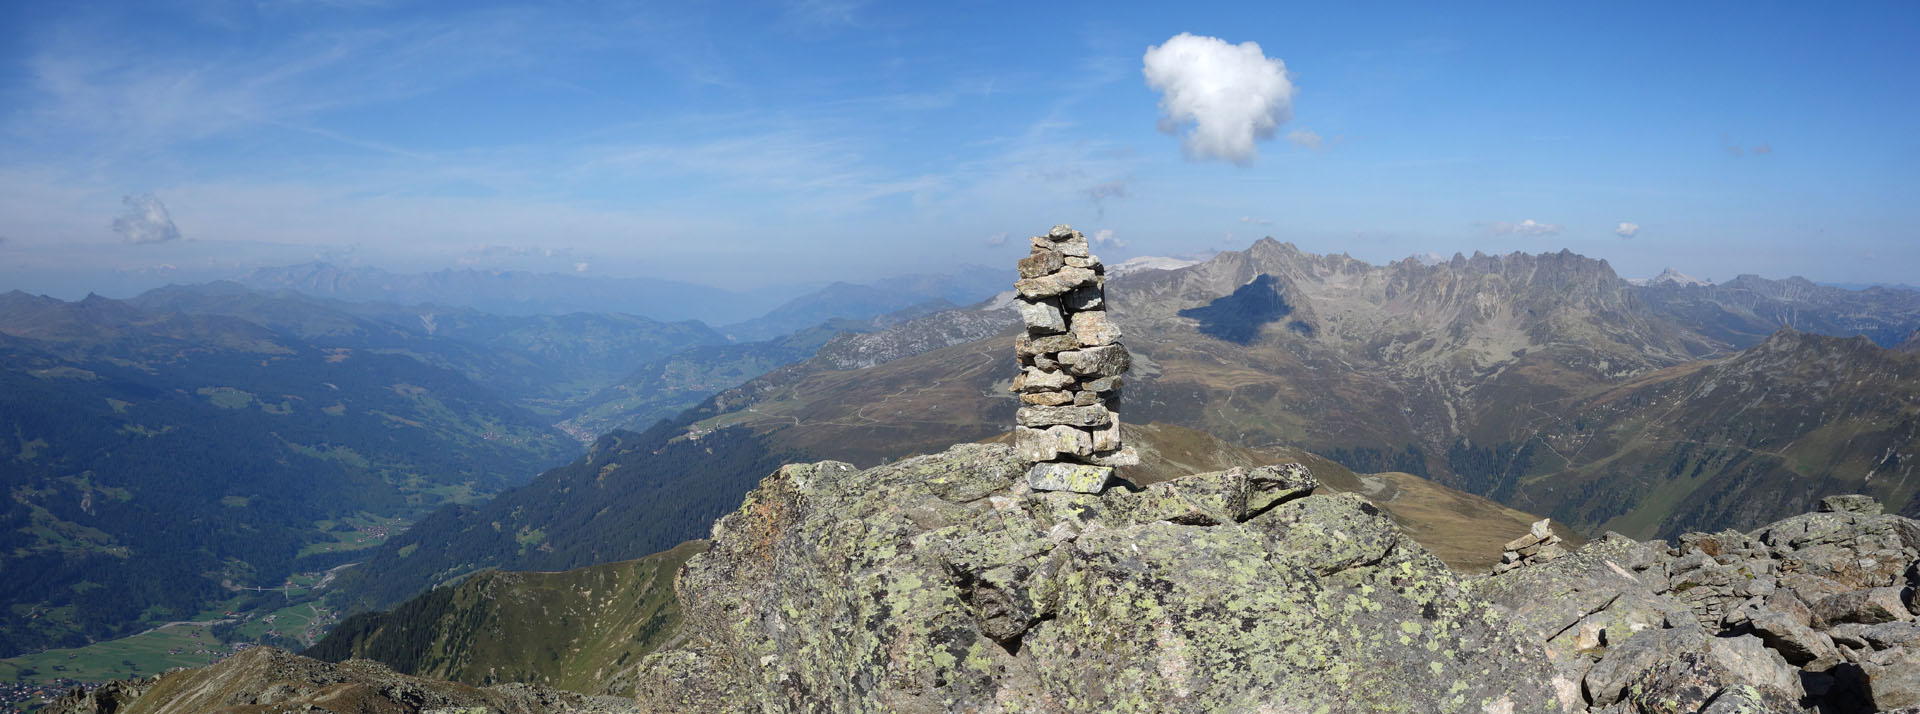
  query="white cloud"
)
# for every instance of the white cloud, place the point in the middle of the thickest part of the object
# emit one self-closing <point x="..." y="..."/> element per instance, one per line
<point x="1224" y="96"/>
<point x="145" y="221"/>
<point x="1104" y="238"/>
<point x="1627" y="230"/>
<point x="1305" y="137"/>
<point x="580" y="267"/>
<point x="997" y="239"/>
<point x="1255" y="221"/>
<point x="1528" y="227"/>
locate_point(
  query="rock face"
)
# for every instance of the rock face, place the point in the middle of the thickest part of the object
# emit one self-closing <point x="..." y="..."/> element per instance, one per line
<point x="1071" y="360"/>
<point x="1812" y="612"/>
<point x="946" y="583"/>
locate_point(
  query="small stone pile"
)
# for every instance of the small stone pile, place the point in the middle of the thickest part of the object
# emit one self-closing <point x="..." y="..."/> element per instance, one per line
<point x="1071" y="360"/>
<point x="1539" y="545"/>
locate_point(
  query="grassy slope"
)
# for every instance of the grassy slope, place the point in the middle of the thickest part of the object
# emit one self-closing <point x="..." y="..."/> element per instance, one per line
<point x="577" y="629"/>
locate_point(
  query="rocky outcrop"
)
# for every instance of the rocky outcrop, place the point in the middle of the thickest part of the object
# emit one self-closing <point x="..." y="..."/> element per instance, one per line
<point x="1071" y="360"/>
<point x="946" y="583"/>
<point x="263" y="679"/>
<point x="1812" y="612"/>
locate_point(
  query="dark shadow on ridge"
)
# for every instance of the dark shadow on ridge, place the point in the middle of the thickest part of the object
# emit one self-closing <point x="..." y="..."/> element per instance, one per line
<point x="1238" y="317"/>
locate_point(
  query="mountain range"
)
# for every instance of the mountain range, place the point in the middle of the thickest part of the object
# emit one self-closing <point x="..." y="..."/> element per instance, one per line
<point x="1544" y="382"/>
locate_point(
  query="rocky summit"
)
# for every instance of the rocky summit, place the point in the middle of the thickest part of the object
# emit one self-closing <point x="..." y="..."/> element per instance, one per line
<point x="947" y="583"/>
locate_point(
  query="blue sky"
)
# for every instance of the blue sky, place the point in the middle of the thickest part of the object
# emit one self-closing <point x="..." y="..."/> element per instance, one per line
<point x="791" y="142"/>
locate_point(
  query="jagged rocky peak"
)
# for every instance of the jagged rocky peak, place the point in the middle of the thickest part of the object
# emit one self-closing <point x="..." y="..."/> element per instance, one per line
<point x="1071" y="362"/>
<point x="947" y="583"/>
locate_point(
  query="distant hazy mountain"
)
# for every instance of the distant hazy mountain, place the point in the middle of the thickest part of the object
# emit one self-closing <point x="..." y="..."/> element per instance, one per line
<point x="522" y="293"/>
<point x="157" y="459"/>
<point x="1744" y="310"/>
<point x="545" y="362"/>
<point x="927" y="293"/>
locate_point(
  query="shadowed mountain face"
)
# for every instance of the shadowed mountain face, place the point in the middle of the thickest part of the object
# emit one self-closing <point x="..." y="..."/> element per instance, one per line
<point x="1239" y="317"/>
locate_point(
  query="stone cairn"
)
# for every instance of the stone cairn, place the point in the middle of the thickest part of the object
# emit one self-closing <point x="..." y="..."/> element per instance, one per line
<point x="1539" y="545"/>
<point x="1071" y="360"/>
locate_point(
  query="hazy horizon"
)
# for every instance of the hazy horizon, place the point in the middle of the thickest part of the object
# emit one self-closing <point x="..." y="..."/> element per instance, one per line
<point x="799" y="143"/>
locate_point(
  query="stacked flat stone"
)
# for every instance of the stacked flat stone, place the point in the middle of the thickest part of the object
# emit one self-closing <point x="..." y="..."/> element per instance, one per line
<point x="1071" y="360"/>
<point x="1539" y="545"/>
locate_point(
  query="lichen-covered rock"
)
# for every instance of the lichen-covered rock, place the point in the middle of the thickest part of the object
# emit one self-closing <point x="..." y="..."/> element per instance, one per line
<point x="1208" y="499"/>
<point x="1096" y="362"/>
<point x="1851" y="503"/>
<point x="868" y="591"/>
<point x="1854" y="548"/>
<point x="1063" y="476"/>
<point x="1042" y="316"/>
<point x="1269" y="486"/>
<point x="1087" y="416"/>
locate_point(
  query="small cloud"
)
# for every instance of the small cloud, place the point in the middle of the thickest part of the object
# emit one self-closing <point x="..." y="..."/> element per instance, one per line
<point x="1104" y="238"/>
<point x="1528" y="227"/>
<point x="1255" y="221"/>
<point x="1306" y="138"/>
<point x="998" y="239"/>
<point x="1224" y="97"/>
<point x="580" y="267"/>
<point x="145" y="221"/>
<point x="1627" y="230"/>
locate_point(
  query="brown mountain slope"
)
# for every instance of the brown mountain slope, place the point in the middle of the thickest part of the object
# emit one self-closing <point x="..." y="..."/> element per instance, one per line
<point x="1738" y="440"/>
